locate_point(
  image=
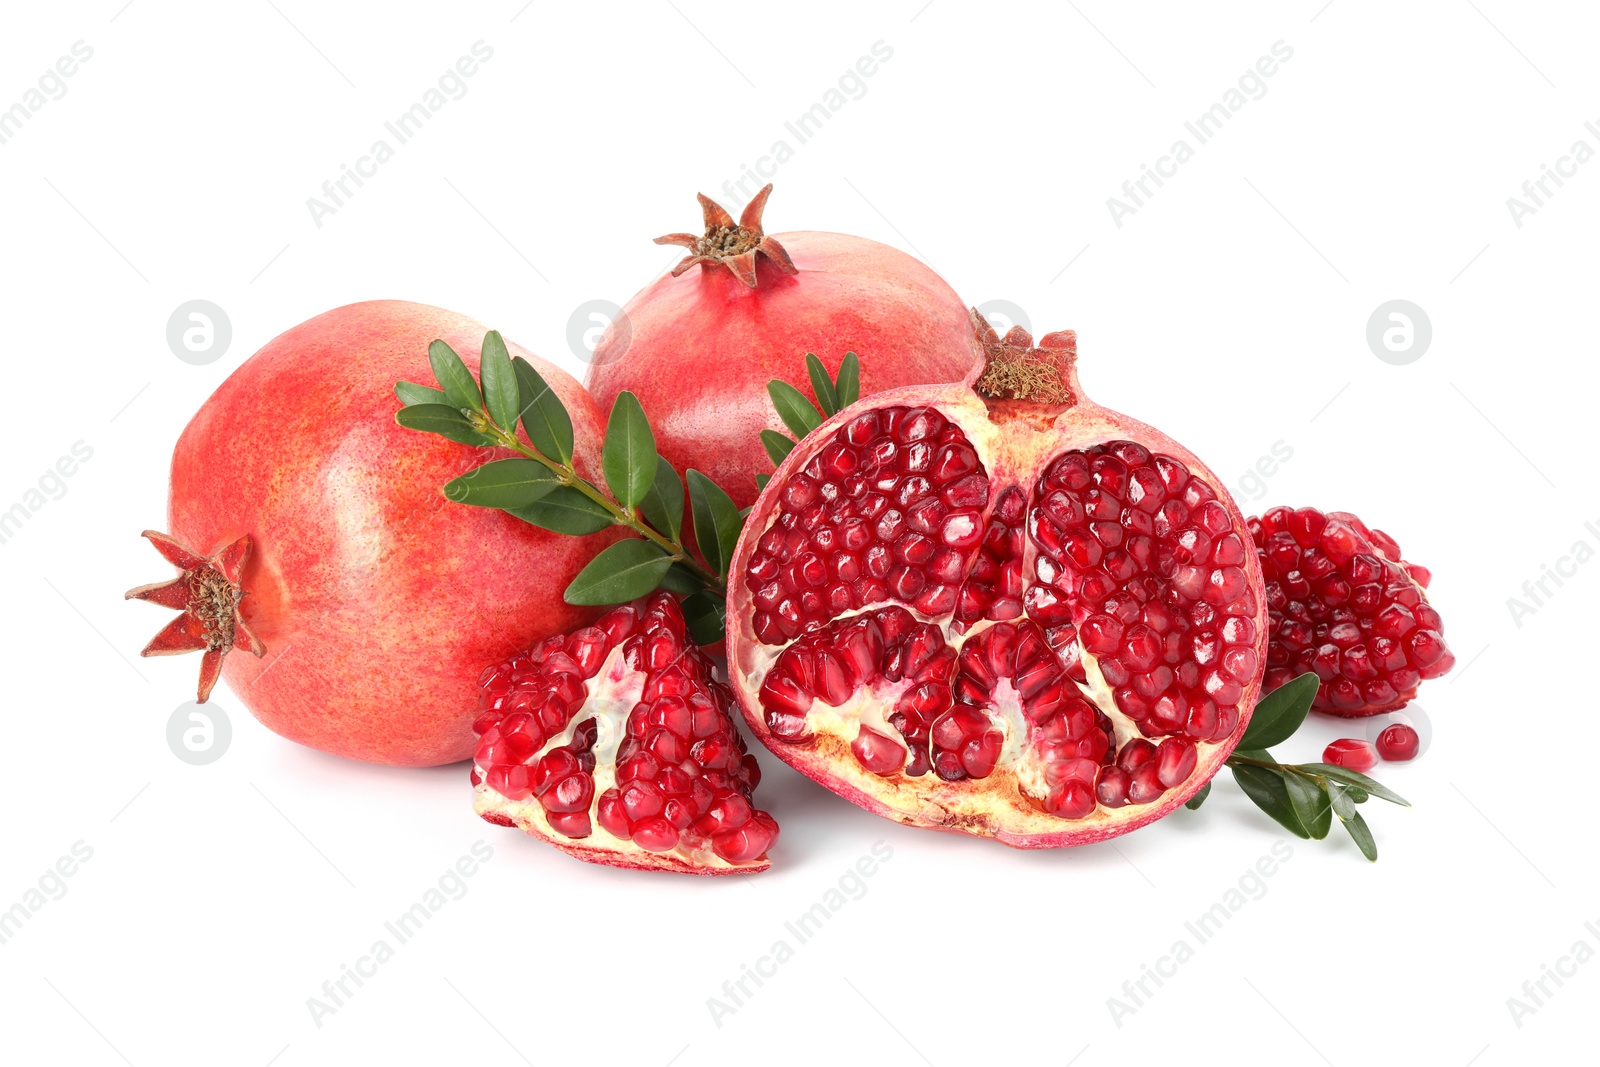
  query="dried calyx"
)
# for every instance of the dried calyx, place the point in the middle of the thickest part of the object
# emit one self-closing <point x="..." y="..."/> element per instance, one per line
<point x="209" y="594"/>
<point x="735" y="245"/>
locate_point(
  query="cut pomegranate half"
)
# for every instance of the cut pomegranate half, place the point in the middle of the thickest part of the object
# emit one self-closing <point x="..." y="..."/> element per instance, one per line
<point x="615" y="744"/>
<point x="998" y="608"/>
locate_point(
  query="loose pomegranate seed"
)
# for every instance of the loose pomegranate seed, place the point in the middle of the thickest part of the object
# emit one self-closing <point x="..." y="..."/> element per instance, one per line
<point x="683" y="777"/>
<point x="1398" y="743"/>
<point x="1350" y="752"/>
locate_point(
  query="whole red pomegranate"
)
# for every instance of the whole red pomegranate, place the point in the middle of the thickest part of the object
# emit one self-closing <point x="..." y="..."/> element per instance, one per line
<point x="698" y="347"/>
<point x="616" y="745"/>
<point x="998" y="608"/>
<point x="375" y="600"/>
<point x="1344" y="604"/>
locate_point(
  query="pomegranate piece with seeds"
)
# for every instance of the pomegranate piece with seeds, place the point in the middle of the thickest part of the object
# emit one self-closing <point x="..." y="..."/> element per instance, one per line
<point x="998" y="608"/>
<point x="615" y="744"/>
<point x="1352" y="753"/>
<point x="1343" y="604"/>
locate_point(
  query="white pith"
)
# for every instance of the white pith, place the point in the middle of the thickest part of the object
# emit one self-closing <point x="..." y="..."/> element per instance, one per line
<point x="1005" y="802"/>
<point x="613" y="692"/>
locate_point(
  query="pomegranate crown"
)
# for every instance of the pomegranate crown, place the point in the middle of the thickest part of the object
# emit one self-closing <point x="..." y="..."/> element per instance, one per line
<point x="1017" y="369"/>
<point x="208" y="594"/>
<point x="734" y="245"/>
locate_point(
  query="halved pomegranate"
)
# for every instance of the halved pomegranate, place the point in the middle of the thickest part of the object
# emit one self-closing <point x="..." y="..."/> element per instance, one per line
<point x="998" y="608"/>
<point x="615" y="744"/>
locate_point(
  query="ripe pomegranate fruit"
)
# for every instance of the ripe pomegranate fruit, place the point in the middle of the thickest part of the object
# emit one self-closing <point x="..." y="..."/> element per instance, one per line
<point x="1343" y="604"/>
<point x="698" y="347"/>
<point x="998" y="608"/>
<point x="1351" y="753"/>
<point x="1398" y="743"/>
<point x="615" y="744"/>
<point x="375" y="600"/>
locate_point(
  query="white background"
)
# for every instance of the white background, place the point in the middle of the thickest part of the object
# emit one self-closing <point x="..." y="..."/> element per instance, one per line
<point x="1230" y="310"/>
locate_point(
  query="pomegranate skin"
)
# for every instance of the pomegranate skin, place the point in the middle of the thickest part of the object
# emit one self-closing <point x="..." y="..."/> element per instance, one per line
<point x="699" y="349"/>
<point x="378" y="600"/>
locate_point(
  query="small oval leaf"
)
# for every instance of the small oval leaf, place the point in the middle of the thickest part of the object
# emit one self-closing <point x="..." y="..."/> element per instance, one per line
<point x="1280" y="713"/>
<point x="848" y="384"/>
<point x="564" y="510"/>
<point x="822" y="385"/>
<point x="441" y="419"/>
<point x="504" y="483"/>
<point x="454" y="377"/>
<point x="716" y="521"/>
<point x="1266" y="789"/>
<point x="663" y="504"/>
<point x="544" y="416"/>
<point x="412" y="393"/>
<point x="778" y="445"/>
<point x="793" y="408"/>
<point x="629" y="457"/>
<point x="703" y="615"/>
<point x="625" y="571"/>
<point x="499" y="382"/>
<point x="1362" y="836"/>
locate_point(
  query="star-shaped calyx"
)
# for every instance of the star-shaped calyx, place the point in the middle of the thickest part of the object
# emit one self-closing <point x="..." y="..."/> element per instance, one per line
<point x="734" y="245"/>
<point x="208" y="593"/>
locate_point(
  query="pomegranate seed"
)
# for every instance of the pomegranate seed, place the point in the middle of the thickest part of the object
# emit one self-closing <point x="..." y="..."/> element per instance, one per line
<point x="1398" y="743"/>
<point x="1351" y="753"/>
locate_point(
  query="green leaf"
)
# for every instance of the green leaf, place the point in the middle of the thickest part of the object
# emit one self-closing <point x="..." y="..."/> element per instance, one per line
<point x="848" y="384"/>
<point x="716" y="521"/>
<point x="778" y="445"/>
<point x="625" y="571"/>
<point x="1362" y="836"/>
<point x="793" y="408"/>
<point x="505" y="483"/>
<point x="629" y="457"/>
<point x="500" y="393"/>
<point x="1310" y="804"/>
<point x="544" y="416"/>
<point x="564" y="510"/>
<point x="442" y="419"/>
<point x="1267" y="789"/>
<point x="1280" y="713"/>
<point x="703" y="613"/>
<point x="681" y="580"/>
<point x="1344" y="805"/>
<point x="412" y="393"/>
<point x="454" y="378"/>
<point x="761" y="481"/>
<point x="822" y="385"/>
<point x="1354" y="792"/>
<point x="1194" y="802"/>
<point x="663" y="504"/>
<point x="1355" y="778"/>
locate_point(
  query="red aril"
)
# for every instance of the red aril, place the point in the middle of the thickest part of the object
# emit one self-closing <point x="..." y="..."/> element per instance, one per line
<point x="1398" y="743"/>
<point x="998" y="608"/>
<point x="375" y="600"/>
<point x="615" y="744"/>
<point x="1351" y="753"/>
<point x="699" y="346"/>
<point x="1344" y="605"/>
